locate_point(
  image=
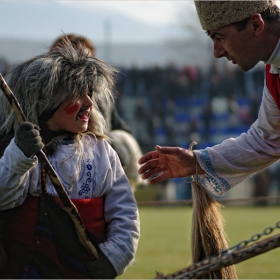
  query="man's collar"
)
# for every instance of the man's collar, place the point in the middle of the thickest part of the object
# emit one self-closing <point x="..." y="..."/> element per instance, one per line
<point x="275" y="57"/>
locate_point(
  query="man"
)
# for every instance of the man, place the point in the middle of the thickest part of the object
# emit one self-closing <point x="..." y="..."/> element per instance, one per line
<point x="245" y="32"/>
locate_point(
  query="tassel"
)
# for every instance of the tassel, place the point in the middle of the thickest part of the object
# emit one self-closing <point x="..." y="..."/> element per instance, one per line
<point x="208" y="237"/>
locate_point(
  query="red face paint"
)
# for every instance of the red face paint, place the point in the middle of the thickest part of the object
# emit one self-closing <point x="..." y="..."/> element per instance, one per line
<point x="71" y="109"/>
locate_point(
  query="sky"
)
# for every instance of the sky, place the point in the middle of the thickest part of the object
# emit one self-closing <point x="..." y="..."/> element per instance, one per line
<point x="106" y="23"/>
<point x="153" y="12"/>
<point x="129" y="20"/>
<point x="43" y="19"/>
<point x="134" y="21"/>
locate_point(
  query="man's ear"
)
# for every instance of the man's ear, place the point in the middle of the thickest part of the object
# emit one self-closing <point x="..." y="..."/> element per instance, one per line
<point x="257" y="23"/>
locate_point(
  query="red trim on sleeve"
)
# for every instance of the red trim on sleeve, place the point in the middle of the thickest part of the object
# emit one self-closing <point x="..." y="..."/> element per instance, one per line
<point x="273" y="84"/>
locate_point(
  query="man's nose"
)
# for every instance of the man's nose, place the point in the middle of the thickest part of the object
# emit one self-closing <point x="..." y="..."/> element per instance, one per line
<point x="219" y="51"/>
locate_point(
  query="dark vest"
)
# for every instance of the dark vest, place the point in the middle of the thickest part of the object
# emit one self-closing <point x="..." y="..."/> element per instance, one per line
<point x="40" y="241"/>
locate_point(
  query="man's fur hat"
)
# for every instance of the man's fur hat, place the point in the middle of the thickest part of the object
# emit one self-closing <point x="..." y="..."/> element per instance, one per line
<point x="42" y="83"/>
<point x="214" y="15"/>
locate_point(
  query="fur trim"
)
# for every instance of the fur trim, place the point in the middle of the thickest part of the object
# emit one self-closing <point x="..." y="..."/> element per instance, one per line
<point x="42" y="83"/>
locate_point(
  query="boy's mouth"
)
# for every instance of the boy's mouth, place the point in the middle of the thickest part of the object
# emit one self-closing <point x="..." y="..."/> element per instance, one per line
<point x="84" y="116"/>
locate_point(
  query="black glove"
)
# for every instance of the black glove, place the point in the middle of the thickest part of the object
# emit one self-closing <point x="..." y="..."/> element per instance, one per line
<point x="28" y="138"/>
<point x="101" y="268"/>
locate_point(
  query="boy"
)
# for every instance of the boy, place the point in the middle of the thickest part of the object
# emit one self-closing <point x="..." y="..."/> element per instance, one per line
<point x="59" y="92"/>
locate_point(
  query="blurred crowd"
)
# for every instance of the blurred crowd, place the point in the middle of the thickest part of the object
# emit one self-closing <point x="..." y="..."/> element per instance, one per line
<point x="171" y="106"/>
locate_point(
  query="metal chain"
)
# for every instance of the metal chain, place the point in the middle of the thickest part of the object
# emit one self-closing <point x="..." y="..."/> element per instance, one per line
<point x="226" y="256"/>
<point x="254" y="238"/>
<point x="230" y="259"/>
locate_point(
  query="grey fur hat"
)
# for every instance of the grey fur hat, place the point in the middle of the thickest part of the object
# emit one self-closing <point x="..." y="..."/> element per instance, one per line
<point x="42" y="83"/>
<point x="214" y="15"/>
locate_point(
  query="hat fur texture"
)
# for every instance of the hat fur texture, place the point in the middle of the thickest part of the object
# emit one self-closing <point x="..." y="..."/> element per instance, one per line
<point x="214" y="15"/>
<point x="42" y="83"/>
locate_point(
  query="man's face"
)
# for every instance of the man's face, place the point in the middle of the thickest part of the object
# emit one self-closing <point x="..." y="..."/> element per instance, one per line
<point x="237" y="46"/>
<point x="71" y="117"/>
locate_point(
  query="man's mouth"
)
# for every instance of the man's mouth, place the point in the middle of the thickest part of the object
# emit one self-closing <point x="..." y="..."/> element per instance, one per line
<point x="233" y="61"/>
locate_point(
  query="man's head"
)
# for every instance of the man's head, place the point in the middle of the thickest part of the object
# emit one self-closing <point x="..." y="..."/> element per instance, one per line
<point x="240" y="30"/>
<point x="214" y="15"/>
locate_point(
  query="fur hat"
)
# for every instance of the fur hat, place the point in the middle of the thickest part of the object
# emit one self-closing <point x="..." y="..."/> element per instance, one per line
<point x="214" y="15"/>
<point x="42" y="83"/>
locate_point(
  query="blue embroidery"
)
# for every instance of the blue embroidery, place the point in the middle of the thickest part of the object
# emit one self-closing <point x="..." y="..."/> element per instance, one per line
<point x="94" y="178"/>
<point x="88" y="180"/>
<point x="209" y="168"/>
<point x="85" y="188"/>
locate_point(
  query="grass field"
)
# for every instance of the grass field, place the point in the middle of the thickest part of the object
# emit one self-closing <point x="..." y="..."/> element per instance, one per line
<point x="165" y="232"/>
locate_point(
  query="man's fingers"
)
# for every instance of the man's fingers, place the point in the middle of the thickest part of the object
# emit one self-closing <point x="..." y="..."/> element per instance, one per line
<point x="151" y="164"/>
<point x="151" y="172"/>
<point x="148" y="156"/>
<point x="157" y="179"/>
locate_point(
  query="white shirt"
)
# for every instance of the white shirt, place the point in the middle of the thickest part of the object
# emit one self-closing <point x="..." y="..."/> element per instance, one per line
<point x="236" y="159"/>
<point x="93" y="171"/>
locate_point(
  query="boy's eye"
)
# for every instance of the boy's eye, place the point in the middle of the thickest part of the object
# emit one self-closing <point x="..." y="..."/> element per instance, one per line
<point x="90" y="95"/>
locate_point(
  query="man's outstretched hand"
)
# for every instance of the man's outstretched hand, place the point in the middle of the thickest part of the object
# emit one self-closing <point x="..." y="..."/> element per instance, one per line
<point x="168" y="162"/>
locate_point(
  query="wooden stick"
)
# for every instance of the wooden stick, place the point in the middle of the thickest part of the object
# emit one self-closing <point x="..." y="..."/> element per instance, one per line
<point x="69" y="207"/>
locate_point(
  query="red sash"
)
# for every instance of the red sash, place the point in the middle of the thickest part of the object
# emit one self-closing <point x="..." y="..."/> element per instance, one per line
<point x="273" y="84"/>
<point x="25" y="217"/>
<point x="92" y="213"/>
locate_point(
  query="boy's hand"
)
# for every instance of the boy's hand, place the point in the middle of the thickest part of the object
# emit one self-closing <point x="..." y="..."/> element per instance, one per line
<point x="28" y="138"/>
<point x="101" y="268"/>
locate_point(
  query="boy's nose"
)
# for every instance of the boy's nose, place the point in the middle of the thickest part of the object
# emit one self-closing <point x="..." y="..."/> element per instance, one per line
<point x="87" y="100"/>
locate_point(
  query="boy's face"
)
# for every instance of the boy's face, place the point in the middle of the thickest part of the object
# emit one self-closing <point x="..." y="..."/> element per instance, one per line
<point x="71" y="117"/>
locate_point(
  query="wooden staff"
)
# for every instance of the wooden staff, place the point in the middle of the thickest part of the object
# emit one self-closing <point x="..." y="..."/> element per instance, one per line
<point x="69" y="207"/>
